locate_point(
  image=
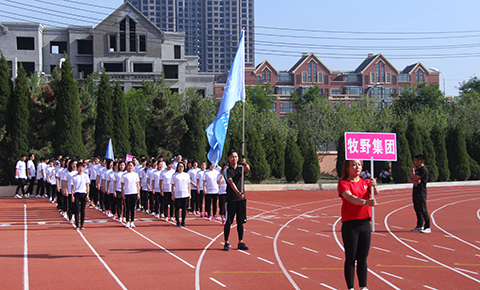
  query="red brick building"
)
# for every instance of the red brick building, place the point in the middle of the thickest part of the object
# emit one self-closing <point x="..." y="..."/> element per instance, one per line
<point x="375" y="76"/>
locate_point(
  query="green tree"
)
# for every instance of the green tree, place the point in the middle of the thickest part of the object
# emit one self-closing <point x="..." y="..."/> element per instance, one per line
<point x="293" y="160"/>
<point x="194" y="141"/>
<point x="472" y="85"/>
<point x="474" y="169"/>
<point x="137" y="135"/>
<point x="104" y="121"/>
<point x="418" y="96"/>
<point x="438" y="140"/>
<point x="6" y="89"/>
<point x="430" y="156"/>
<point x="311" y="167"/>
<point x="121" y="132"/>
<point x="458" y="159"/>
<point x="88" y="109"/>
<point x="414" y="137"/>
<point x="261" y="96"/>
<point x="68" y="131"/>
<point x="260" y="169"/>
<point x="401" y="172"/>
<point x="275" y="151"/>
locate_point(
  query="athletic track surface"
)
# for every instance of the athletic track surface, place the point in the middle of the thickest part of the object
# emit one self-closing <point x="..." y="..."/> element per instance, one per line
<point x="294" y="239"/>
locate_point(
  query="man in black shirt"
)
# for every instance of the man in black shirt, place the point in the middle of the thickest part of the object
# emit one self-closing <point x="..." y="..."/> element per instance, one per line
<point x="419" y="179"/>
<point x="236" y="202"/>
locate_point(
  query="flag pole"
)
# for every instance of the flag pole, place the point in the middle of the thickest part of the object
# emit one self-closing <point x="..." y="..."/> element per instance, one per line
<point x="243" y="115"/>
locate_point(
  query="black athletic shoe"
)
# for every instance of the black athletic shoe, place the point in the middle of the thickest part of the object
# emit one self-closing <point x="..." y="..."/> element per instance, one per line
<point x="178" y="224"/>
<point x="183" y="224"/>
<point x="242" y="246"/>
<point x="226" y="247"/>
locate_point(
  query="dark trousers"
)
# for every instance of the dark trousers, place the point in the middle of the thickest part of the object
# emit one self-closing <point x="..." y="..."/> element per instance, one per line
<point x="80" y="203"/>
<point x="221" y="203"/>
<point x="71" y="207"/>
<point x="158" y="200"/>
<point x="151" y="202"/>
<point x="130" y="200"/>
<point x="101" y="199"/>
<point x="54" y="191"/>
<point x="144" y="199"/>
<point x="48" y="187"/>
<point x="200" y="200"/>
<point x="211" y="199"/>
<point x="119" y="204"/>
<point x="59" y="200"/>
<point x="356" y="237"/>
<point x="167" y="201"/>
<point x="21" y="185"/>
<point x="65" y="203"/>
<point x="108" y="201"/>
<point x="420" y="207"/>
<point x="181" y="203"/>
<point x="41" y="187"/>
<point x="238" y="208"/>
<point x="30" y="185"/>
<point x="93" y="194"/>
<point x="193" y="200"/>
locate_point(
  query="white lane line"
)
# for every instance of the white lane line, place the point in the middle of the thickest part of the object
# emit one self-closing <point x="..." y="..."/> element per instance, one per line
<point x="265" y="221"/>
<point x="478" y="214"/>
<point x="102" y="261"/>
<point x="288" y="243"/>
<point x="477" y="242"/>
<point x="472" y="272"/>
<point x="418" y="259"/>
<point x="444" y="248"/>
<point x="428" y="287"/>
<point x="477" y="255"/>
<point x="42" y="223"/>
<point x="26" y="283"/>
<point x="314" y="221"/>
<point x="380" y="249"/>
<point x="396" y="227"/>
<point x="327" y="286"/>
<point x="285" y="226"/>
<point x="308" y="249"/>
<point x="255" y="233"/>
<point x="323" y="235"/>
<point x="391" y="275"/>
<point x="265" y="260"/>
<point x="303" y="230"/>
<point x="408" y="240"/>
<point x="268" y="237"/>
<point x="223" y="285"/>
<point x="296" y="273"/>
<point x="246" y="253"/>
<point x="334" y="257"/>
<point x="384" y="235"/>
<point x="297" y="209"/>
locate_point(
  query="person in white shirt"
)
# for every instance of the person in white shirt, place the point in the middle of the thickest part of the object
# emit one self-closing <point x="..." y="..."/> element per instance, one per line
<point x="80" y="186"/>
<point x="30" y="174"/>
<point x="222" y="193"/>
<point x="68" y="178"/>
<point x="58" y="176"/>
<point x="145" y="187"/>
<point x="131" y="193"/>
<point x="63" y="182"/>
<point x="151" y="198"/>
<point x="200" y="193"/>
<point x="166" y="190"/>
<point x="193" y="194"/>
<point x="21" y="175"/>
<point x="109" y="194"/>
<point x="211" y="179"/>
<point x="181" y="193"/>
<point x="92" y="171"/>
<point x="156" y="192"/>
<point x="118" y="190"/>
<point x="101" y="193"/>
<point x="40" y="178"/>
<point x="51" y="180"/>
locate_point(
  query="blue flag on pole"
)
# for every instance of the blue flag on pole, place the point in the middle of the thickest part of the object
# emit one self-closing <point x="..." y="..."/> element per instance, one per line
<point x="234" y="92"/>
<point x="109" y="154"/>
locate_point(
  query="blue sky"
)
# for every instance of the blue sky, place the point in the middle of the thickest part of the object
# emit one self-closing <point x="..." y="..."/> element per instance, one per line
<point x="405" y="32"/>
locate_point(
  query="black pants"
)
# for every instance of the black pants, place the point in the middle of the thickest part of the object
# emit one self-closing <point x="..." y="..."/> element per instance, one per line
<point x="193" y="200"/>
<point x="30" y="186"/>
<point x="356" y="236"/>
<point x="221" y="203"/>
<point x="93" y="194"/>
<point x="113" y="203"/>
<point x="48" y="187"/>
<point x="41" y="187"/>
<point x="420" y="207"/>
<point x="119" y="204"/>
<point x="71" y="208"/>
<point x="167" y="201"/>
<point x="101" y="199"/>
<point x="181" y="203"/>
<point x="144" y="199"/>
<point x="158" y="200"/>
<point x="80" y="203"/>
<point x="65" y="203"/>
<point x="130" y="200"/>
<point x="151" y="202"/>
<point x="108" y="201"/>
<point x="21" y="185"/>
<point x="54" y="191"/>
<point x="238" y="208"/>
<point x="200" y="200"/>
<point x="211" y="199"/>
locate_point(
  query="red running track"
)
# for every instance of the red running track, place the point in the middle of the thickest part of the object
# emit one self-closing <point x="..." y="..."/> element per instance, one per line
<point x="293" y="236"/>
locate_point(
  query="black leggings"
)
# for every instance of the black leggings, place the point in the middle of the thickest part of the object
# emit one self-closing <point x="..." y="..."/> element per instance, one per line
<point x="158" y="201"/>
<point x="93" y="191"/>
<point x="167" y="200"/>
<point x="21" y="186"/>
<point x="193" y="200"/>
<point x="356" y="236"/>
<point x="119" y="204"/>
<point x="200" y="200"/>
<point x="209" y="200"/>
<point x="181" y="203"/>
<point x="221" y="203"/>
<point x="80" y="202"/>
<point x="130" y="200"/>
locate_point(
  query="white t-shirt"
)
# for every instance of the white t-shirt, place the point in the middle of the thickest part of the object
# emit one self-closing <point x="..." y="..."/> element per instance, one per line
<point x="92" y="171"/>
<point x="156" y="180"/>
<point x="211" y="178"/>
<point x="166" y="178"/>
<point x="199" y="182"/>
<point x="39" y="171"/>
<point x="180" y="181"/>
<point x="51" y="175"/>
<point x="21" y="169"/>
<point x="150" y="175"/>
<point x="129" y="181"/>
<point x="143" y="179"/>
<point x="193" y="176"/>
<point x="103" y="178"/>
<point x="58" y="173"/>
<point x="80" y="182"/>
<point x="118" y="180"/>
<point x="69" y="177"/>
<point x="110" y="180"/>
<point x="223" y="186"/>
<point x="31" y="168"/>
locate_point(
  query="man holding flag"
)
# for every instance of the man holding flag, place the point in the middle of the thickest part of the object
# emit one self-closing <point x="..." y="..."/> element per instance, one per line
<point x="216" y="133"/>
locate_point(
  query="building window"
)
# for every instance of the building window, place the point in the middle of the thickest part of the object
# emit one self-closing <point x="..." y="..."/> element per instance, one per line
<point x="85" y="69"/>
<point x="142" y="45"/>
<point x="377" y="71"/>
<point x="326" y="80"/>
<point x="388" y="77"/>
<point x="10" y="70"/>
<point x="285" y="90"/>
<point x="113" y="66"/>
<point x="84" y="46"/>
<point x="58" y="47"/>
<point x="326" y="93"/>
<point x="25" y="43"/>
<point x="142" y="67"/>
<point x="299" y="79"/>
<point x="422" y="76"/>
<point x="177" y="52"/>
<point x="367" y="80"/>
<point x="112" y="43"/>
<point x="133" y="35"/>
<point x="403" y="77"/>
<point x="394" y="80"/>
<point x="263" y="76"/>
<point x="314" y="72"/>
<point x="123" y="35"/>
<point x="286" y="107"/>
<point x="310" y="72"/>
<point x="336" y="91"/>
<point x="170" y="71"/>
<point x="372" y="78"/>
<point x="269" y="76"/>
<point x="259" y="79"/>
<point x="382" y="72"/>
<point x="354" y="91"/>
<point x="304" y="77"/>
<point x="320" y="77"/>
<point x="353" y="78"/>
<point x="417" y="77"/>
<point x="29" y="67"/>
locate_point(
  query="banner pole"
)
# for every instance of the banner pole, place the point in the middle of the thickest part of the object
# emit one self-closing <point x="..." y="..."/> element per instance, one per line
<point x="372" y="195"/>
<point x="243" y="147"/>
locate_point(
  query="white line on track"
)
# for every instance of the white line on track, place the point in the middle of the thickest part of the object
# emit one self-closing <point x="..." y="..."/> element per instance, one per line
<point x="380" y="249"/>
<point x="314" y="221"/>
<point x="391" y="275"/>
<point x="308" y="249"/>
<point x="395" y="227"/>
<point x="301" y="275"/>
<point x="214" y="280"/>
<point x="408" y="240"/>
<point x="288" y="243"/>
<point x="428" y="287"/>
<point x="26" y="283"/>
<point x="477" y="255"/>
<point x="418" y="259"/>
<point x="255" y="233"/>
<point x="444" y="248"/>
<point x="478" y="214"/>
<point x="268" y="237"/>
<point x="477" y="242"/>
<point x="303" y="230"/>
<point x="334" y="257"/>
<point x="323" y="235"/>
<point x="472" y="272"/>
<point x="265" y="260"/>
<point x="244" y="252"/>
<point x="327" y="286"/>
<point x="380" y="234"/>
<point x="264" y="220"/>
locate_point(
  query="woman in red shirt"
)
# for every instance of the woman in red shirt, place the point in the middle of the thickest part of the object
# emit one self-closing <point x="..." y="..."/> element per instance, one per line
<point x="356" y="215"/>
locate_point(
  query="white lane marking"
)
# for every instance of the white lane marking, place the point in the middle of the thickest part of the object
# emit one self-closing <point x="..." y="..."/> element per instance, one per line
<point x="303" y="230"/>
<point x="223" y="285"/>
<point x="314" y="221"/>
<point x="380" y="249"/>
<point x="444" y="248"/>
<point x="268" y="237"/>
<point x="408" y="240"/>
<point x="395" y="227"/>
<point x="265" y="221"/>
<point x="246" y="253"/>
<point x="42" y="223"/>
<point x="391" y="275"/>
<point x="255" y="233"/>
<point x="26" y="283"/>
<point x="296" y="273"/>
<point x="477" y="255"/>
<point x="418" y="259"/>
<point x="428" y="287"/>
<point x="334" y="257"/>
<point x="265" y="260"/>
<point x="288" y="243"/>
<point x="327" y="286"/>
<point x="380" y="234"/>
<point x="308" y="249"/>
<point x="285" y="226"/>
<point x="478" y="214"/>
<point x="323" y="235"/>
<point x="102" y="261"/>
<point x="477" y="242"/>
<point x="472" y="272"/>
<point x="297" y="209"/>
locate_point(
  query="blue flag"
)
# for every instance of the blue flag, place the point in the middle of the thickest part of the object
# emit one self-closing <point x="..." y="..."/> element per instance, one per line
<point x="234" y="92"/>
<point x="109" y="154"/>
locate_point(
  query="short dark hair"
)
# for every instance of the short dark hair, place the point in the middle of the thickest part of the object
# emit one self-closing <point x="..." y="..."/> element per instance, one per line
<point x="419" y="157"/>
<point x="168" y="162"/>
<point x="231" y="151"/>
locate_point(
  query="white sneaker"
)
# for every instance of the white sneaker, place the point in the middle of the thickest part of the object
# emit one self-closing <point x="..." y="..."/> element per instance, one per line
<point x="426" y="231"/>
<point x="157" y="216"/>
<point x="132" y="225"/>
<point x="18" y="196"/>
<point x="127" y="225"/>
